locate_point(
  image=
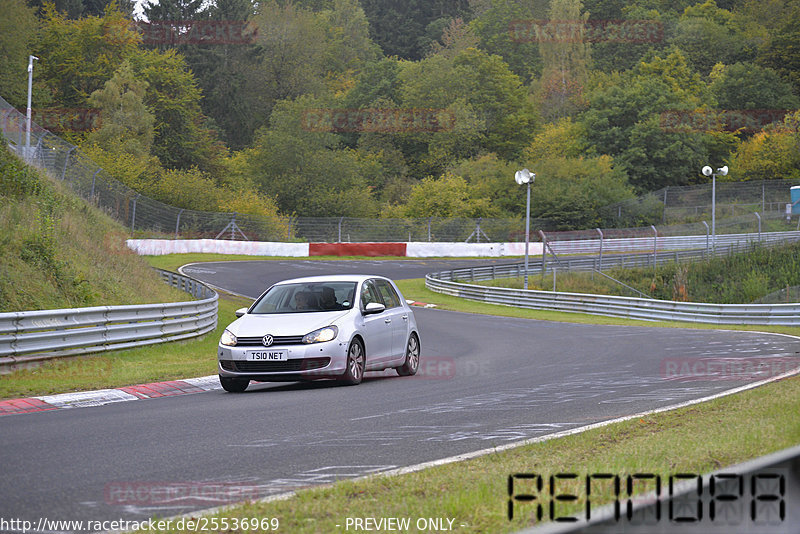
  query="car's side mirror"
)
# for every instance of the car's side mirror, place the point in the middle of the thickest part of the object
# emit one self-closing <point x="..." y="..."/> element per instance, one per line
<point x="373" y="307"/>
<point x="240" y="312"/>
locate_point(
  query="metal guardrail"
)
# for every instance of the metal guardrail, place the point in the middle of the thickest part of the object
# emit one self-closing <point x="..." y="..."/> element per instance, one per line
<point x="616" y="306"/>
<point x="30" y="337"/>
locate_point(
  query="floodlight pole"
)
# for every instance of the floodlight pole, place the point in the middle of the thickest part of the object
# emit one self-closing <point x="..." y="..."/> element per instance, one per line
<point x="28" y="111"/>
<point x="526" y="177"/>
<point x="527" y="232"/>
<point x="714" y="212"/>
<point x="708" y="171"/>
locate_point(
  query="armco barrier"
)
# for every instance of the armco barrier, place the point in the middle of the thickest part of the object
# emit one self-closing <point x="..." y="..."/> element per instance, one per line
<point x="29" y="337"/>
<point x="628" y="307"/>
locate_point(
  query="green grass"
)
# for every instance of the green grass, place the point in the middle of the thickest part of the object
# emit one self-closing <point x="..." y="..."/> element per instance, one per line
<point x="60" y="252"/>
<point x="696" y="439"/>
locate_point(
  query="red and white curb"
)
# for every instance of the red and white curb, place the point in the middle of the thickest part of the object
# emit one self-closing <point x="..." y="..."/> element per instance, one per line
<point x="85" y="399"/>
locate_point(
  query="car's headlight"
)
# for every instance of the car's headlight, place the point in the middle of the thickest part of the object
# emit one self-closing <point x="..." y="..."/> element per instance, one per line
<point x="227" y="339"/>
<point x="323" y="334"/>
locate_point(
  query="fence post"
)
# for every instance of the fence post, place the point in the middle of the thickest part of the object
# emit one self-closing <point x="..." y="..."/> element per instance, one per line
<point x="706" y="225"/>
<point x="66" y="162"/>
<point x="133" y="214"/>
<point x="544" y="253"/>
<point x="94" y="177"/>
<point x="178" y="223"/>
<point x="664" y="211"/>
<point x="759" y="226"/>
<point x="655" y="246"/>
<point x="599" y="231"/>
<point x="340" y="229"/>
<point x="429" y="228"/>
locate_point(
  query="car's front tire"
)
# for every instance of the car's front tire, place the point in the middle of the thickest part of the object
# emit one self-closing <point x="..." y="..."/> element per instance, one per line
<point x="411" y="364"/>
<point x="233" y="385"/>
<point x="354" y="371"/>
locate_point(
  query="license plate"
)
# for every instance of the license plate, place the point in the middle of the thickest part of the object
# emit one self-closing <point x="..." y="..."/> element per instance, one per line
<point x="268" y="356"/>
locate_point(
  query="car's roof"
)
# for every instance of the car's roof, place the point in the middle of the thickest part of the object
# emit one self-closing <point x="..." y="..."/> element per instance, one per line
<point x="331" y="278"/>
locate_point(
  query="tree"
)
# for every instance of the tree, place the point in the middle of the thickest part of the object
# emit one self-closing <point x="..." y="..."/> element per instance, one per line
<point x="490" y="108"/>
<point x="447" y="196"/>
<point x="710" y="35"/>
<point x="404" y="28"/>
<point x="749" y="86"/>
<point x="624" y="121"/>
<point x="565" y="63"/>
<point x="564" y="138"/>
<point x="771" y="154"/>
<point x="78" y="56"/>
<point x="224" y="71"/>
<point x="127" y="125"/>
<point x="18" y="31"/>
<point x="782" y="51"/>
<point x="309" y="172"/>
<point x="496" y="26"/>
<point x="182" y="138"/>
<point x="572" y="191"/>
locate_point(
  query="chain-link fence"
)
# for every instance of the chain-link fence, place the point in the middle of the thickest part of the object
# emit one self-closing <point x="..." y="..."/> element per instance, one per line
<point x="691" y="203"/>
<point x="146" y="217"/>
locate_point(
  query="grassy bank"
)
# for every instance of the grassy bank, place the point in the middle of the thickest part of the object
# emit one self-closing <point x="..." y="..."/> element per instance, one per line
<point x="60" y="252"/>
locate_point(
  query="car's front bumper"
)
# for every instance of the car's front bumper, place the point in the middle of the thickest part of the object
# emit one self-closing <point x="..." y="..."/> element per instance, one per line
<point x="304" y="362"/>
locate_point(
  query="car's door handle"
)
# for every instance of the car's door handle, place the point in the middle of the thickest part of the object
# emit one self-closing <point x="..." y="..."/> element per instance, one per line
<point x="387" y="321"/>
<point x="405" y="317"/>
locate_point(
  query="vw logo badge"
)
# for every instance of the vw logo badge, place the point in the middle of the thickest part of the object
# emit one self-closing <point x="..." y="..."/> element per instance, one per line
<point x="267" y="340"/>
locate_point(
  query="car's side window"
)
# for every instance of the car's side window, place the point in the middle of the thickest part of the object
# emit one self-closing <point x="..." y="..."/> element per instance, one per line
<point x="369" y="294"/>
<point x="390" y="298"/>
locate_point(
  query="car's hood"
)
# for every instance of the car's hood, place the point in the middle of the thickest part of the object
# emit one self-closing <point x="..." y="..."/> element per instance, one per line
<point x="283" y="324"/>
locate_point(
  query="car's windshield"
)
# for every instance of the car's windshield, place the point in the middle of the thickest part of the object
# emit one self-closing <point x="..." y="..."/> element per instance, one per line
<point x="307" y="297"/>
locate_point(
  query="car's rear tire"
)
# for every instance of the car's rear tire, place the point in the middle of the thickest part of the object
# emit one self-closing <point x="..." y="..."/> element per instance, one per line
<point x="354" y="371"/>
<point x="411" y="365"/>
<point x="233" y="385"/>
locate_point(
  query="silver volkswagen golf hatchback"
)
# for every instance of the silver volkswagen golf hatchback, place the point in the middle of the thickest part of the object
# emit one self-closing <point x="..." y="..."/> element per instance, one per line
<point x="320" y="327"/>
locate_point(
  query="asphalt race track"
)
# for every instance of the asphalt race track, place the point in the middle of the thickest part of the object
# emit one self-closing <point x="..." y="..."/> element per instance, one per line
<point x="484" y="381"/>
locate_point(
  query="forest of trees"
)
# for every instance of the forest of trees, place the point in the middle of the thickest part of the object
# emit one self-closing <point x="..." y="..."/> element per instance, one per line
<point x="377" y="108"/>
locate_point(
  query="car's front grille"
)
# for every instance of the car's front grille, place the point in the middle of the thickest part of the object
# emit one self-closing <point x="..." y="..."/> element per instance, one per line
<point x="276" y="340"/>
<point x="300" y="364"/>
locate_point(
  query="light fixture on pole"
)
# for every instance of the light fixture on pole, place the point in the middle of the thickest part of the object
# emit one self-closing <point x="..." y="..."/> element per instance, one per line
<point x="28" y="113"/>
<point x="526" y="177"/>
<point x="708" y="171"/>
